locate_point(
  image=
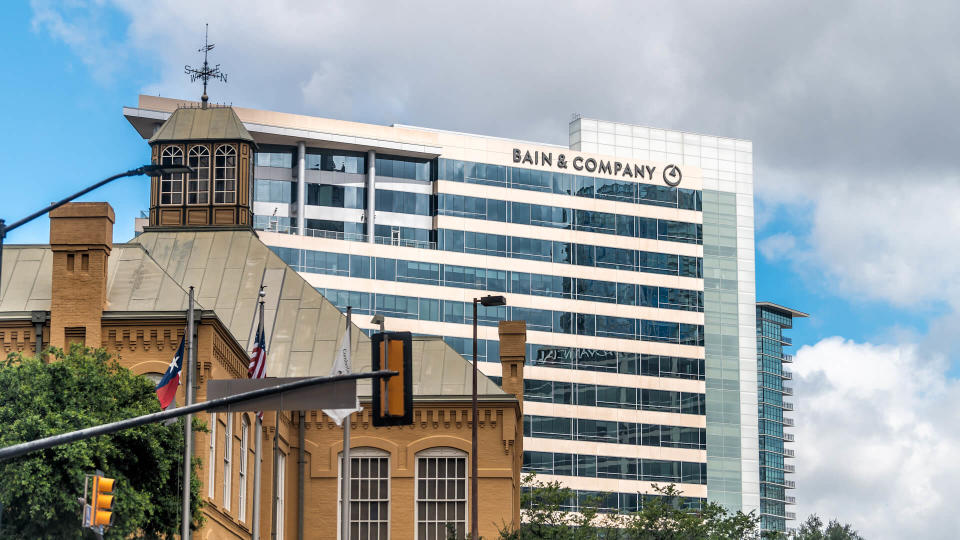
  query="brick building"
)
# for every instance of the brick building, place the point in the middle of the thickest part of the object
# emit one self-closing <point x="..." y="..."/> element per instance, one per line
<point x="131" y="299"/>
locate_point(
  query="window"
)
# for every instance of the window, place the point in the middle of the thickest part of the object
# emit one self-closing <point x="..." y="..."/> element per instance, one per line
<point x="171" y="185"/>
<point x="225" y="175"/>
<point x="211" y="464"/>
<point x="369" y="493"/>
<point x="198" y="182"/>
<point x="441" y="493"/>
<point x="227" y="462"/>
<point x="281" y="488"/>
<point x="242" y="495"/>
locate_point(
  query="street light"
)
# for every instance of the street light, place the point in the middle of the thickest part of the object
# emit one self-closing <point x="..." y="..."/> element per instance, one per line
<point x="149" y="170"/>
<point x="488" y="301"/>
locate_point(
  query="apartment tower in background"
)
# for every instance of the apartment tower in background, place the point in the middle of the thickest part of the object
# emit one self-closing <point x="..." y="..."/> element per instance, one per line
<point x="776" y="461"/>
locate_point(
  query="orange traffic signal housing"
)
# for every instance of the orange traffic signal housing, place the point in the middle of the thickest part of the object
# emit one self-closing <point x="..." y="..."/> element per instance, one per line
<point x="393" y="396"/>
<point x="102" y="500"/>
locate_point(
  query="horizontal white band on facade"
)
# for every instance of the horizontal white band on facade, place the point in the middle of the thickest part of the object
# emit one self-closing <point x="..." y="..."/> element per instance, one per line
<point x="536" y="444"/>
<point x="332" y="214"/>
<point x="270" y="209"/>
<point x="567" y="235"/>
<point x="403" y="288"/>
<point x="436" y="328"/>
<point x="612" y="414"/>
<point x="478" y="261"/>
<point x="603" y="378"/>
<point x="586" y="483"/>
<point x="568" y="201"/>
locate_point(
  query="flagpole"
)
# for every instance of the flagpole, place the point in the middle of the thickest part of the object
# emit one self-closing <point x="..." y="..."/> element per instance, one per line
<point x="188" y="421"/>
<point x="276" y="477"/>
<point x="345" y="481"/>
<point x="257" y="455"/>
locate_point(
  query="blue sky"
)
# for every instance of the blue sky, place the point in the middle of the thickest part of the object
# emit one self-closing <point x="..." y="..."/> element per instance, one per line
<point x="850" y="109"/>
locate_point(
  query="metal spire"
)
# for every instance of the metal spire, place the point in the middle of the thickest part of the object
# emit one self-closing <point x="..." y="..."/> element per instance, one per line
<point x="206" y="72"/>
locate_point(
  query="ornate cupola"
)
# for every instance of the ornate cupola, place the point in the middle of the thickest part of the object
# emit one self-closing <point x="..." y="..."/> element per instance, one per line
<point x="213" y="142"/>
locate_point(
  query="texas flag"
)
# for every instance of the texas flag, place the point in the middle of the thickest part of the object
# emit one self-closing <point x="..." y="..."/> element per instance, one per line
<point x="167" y="387"/>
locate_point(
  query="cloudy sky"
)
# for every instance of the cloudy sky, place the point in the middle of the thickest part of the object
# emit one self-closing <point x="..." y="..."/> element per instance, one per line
<point x="852" y="107"/>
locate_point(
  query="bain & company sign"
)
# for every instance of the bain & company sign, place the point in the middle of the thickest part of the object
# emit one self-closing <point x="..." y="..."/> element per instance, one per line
<point x="671" y="173"/>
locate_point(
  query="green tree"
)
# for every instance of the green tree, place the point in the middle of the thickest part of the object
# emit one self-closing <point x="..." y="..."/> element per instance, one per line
<point x="80" y="389"/>
<point x="813" y="529"/>
<point x="662" y="517"/>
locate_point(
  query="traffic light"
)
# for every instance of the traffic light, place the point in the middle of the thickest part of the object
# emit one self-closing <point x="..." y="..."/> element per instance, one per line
<point x="102" y="500"/>
<point x="393" y="396"/>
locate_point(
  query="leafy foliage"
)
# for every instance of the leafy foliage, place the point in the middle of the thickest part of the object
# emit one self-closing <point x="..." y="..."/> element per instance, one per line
<point x="663" y="517"/>
<point x="80" y="389"/>
<point x="813" y="529"/>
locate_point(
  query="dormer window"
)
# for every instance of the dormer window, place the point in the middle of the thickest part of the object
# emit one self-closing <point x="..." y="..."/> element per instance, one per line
<point x="171" y="185"/>
<point x="198" y="182"/>
<point x="225" y="175"/>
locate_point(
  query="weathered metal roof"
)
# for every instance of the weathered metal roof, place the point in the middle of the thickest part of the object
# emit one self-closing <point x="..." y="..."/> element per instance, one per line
<point x="226" y="269"/>
<point x="194" y="124"/>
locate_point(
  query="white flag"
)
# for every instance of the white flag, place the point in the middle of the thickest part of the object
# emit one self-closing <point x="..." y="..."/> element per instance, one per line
<point x="341" y="366"/>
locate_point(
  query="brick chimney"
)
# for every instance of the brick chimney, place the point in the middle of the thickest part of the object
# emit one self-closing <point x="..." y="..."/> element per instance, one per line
<point x="81" y="236"/>
<point x="513" y="352"/>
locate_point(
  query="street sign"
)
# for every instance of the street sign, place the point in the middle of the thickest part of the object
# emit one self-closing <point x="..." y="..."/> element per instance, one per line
<point x="332" y="395"/>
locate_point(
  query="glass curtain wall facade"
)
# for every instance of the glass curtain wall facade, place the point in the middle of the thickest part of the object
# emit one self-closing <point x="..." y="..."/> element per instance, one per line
<point x="637" y="288"/>
<point x="729" y="289"/>
<point x="773" y="388"/>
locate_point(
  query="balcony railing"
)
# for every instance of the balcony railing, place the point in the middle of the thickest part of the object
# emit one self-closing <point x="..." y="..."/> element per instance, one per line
<point x="787" y="358"/>
<point x="790" y="484"/>
<point x="788" y="437"/>
<point x="335" y="235"/>
<point x="788" y="422"/>
<point x="791" y="500"/>
<point x="786" y="340"/>
<point x="791" y="515"/>
<point x="789" y="452"/>
<point x="787" y="406"/>
<point x="790" y="468"/>
<point x="787" y="375"/>
<point x="387" y="241"/>
<point x="787" y="390"/>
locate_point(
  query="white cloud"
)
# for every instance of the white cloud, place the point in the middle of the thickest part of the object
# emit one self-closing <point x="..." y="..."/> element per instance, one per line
<point x="879" y="241"/>
<point x="877" y="443"/>
<point x="776" y="246"/>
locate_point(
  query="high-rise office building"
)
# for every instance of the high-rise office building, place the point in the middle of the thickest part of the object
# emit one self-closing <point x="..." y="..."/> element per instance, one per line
<point x="775" y="457"/>
<point x="629" y="253"/>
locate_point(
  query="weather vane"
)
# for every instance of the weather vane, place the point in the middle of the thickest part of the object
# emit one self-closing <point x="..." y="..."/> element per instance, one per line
<point x="206" y="72"/>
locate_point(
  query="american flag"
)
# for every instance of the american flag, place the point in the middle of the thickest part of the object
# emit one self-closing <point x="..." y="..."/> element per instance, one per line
<point x="258" y="358"/>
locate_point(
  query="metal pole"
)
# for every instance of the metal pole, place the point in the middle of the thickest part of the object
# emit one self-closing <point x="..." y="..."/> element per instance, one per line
<point x="3" y="234"/>
<point x="257" y="456"/>
<point x="257" y="459"/>
<point x="345" y="481"/>
<point x="188" y="422"/>
<point x="475" y="446"/>
<point x="276" y="477"/>
<point x="18" y="450"/>
<point x="303" y="464"/>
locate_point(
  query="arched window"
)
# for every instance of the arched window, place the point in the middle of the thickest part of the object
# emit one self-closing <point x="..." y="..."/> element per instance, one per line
<point x="369" y="493"/>
<point x="171" y="185"/>
<point x="244" y="450"/>
<point x="225" y="175"/>
<point x="441" y="493"/>
<point x="198" y="183"/>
